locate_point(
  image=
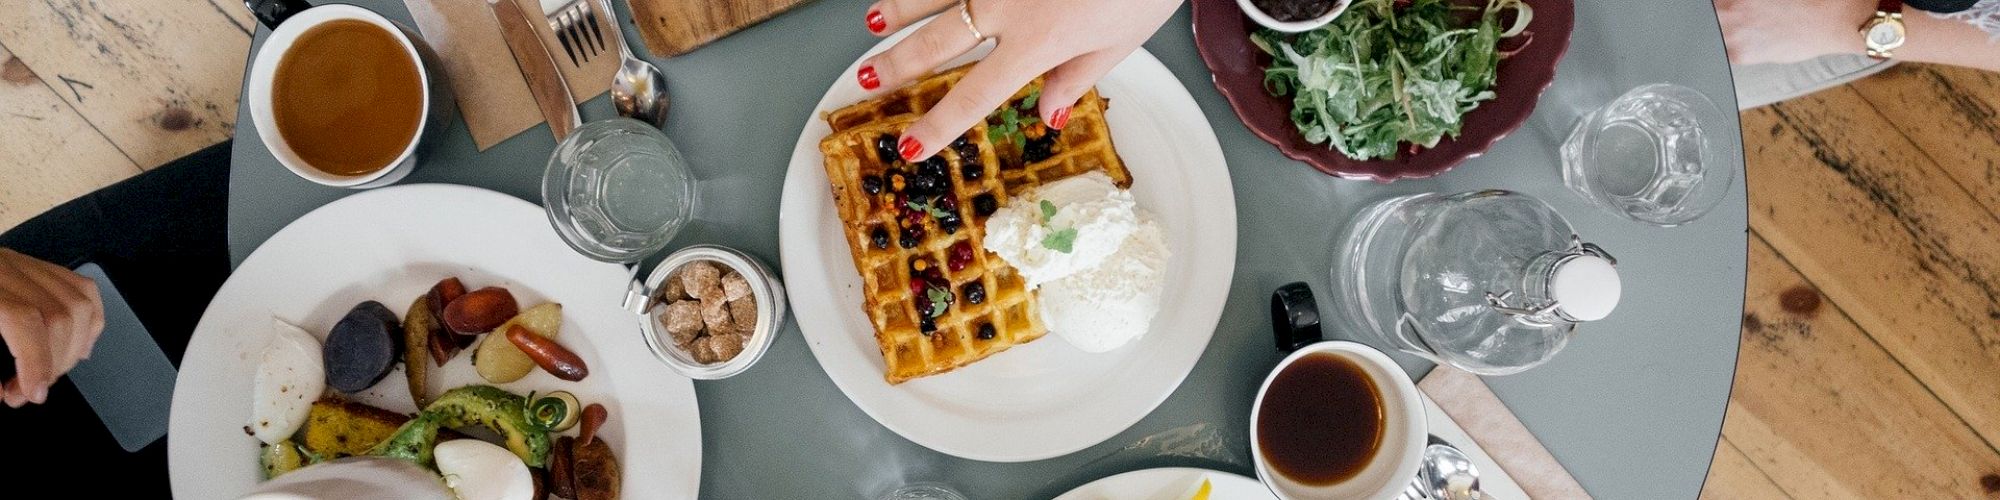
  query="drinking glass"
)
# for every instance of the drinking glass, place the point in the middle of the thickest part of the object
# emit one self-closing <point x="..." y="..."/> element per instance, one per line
<point x="618" y="190"/>
<point x="1647" y="156"/>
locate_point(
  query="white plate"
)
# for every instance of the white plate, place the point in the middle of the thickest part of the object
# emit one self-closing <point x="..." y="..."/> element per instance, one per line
<point x="390" y="245"/>
<point x="1170" y="483"/>
<point x="1046" y="398"/>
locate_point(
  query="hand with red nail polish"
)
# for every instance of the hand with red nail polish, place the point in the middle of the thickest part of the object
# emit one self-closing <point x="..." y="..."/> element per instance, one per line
<point x="876" y="22"/>
<point x="1073" y="42"/>
<point x="868" y="78"/>
<point x="49" y="319"/>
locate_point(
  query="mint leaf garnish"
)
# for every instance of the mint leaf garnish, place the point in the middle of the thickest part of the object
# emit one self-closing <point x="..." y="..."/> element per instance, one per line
<point x="1048" y="211"/>
<point x="940" y="299"/>
<point x="1061" y="241"/>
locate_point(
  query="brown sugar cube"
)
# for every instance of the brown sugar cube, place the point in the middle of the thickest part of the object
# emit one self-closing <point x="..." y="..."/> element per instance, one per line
<point x="674" y="289"/>
<point x="715" y="314"/>
<point x="734" y="286"/>
<point x="726" y="347"/>
<point x="744" y="311"/>
<point x="682" y="320"/>
<point x="702" y="351"/>
<point x="701" y="278"/>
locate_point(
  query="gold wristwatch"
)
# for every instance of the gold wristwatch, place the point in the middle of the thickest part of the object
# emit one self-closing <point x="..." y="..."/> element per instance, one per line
<point x="1884" y="32"/>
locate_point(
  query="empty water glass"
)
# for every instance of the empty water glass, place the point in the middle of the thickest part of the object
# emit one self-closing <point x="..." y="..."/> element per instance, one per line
<point x="1648" y="157"/>
<point x="618" y="190"/>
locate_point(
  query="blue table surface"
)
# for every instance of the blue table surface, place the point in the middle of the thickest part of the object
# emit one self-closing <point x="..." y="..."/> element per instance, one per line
<point x="1632" y="408"/>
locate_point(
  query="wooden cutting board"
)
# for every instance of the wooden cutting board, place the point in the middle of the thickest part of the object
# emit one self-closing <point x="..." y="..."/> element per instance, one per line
<point x="674" y="27"/>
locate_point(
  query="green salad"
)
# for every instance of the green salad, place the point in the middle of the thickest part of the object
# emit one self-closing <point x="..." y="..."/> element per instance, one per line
<point x="1390" y="73"/>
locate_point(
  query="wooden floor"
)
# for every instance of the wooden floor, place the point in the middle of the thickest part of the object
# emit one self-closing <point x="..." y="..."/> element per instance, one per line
<point x="1870" y="363"/>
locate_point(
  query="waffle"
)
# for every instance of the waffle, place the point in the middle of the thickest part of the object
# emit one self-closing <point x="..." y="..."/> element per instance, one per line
<point x="877" y="223"/>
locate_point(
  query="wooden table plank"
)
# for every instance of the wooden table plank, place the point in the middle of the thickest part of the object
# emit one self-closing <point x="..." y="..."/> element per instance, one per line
<point x="1898" y="245"/>
<point x="1953" y="116"/>
<point x="1828" y="413"/>
<point x="48" y="153"/>
<point x="158" y="77"/>
<point x="1733" y="476"/>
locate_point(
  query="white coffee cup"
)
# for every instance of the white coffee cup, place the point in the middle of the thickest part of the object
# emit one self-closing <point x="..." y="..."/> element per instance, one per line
<point x="288" y="19"/>
<point x="1404" y="431"/>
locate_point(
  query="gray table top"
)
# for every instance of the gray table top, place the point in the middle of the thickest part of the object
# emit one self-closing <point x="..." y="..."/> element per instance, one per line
<point x="1632" y="408"/>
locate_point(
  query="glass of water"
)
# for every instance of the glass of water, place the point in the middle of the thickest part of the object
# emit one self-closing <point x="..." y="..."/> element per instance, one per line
<point x="618" y="190"/>
<point x="1648" y="157"/>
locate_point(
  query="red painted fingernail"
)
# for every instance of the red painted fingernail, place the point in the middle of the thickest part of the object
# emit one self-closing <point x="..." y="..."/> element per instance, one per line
<point x="877" y="23"/>
<point x="909" y="147"/>
<point x="868" y="79"/>
<point x="1058" y="119"/>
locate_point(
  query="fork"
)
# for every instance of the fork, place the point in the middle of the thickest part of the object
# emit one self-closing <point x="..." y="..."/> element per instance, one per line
<point x="576" y="25"/>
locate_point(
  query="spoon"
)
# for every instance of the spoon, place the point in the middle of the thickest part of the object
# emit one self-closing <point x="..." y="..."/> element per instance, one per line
<point x="640" y="89"/>
<point x="1448" y="474"/>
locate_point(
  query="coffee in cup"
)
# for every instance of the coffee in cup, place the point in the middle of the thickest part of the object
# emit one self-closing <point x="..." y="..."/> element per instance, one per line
<point x="340" y="95"/>
<point x="1337" y="420"/>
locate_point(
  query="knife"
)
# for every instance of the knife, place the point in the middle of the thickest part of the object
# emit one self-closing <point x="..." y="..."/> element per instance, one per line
<point x="538" y="66"/>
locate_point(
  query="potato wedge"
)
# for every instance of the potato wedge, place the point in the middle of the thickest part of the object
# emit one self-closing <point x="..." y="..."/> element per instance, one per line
<point x="498" y="361"/>
<point x="419" y="327"/>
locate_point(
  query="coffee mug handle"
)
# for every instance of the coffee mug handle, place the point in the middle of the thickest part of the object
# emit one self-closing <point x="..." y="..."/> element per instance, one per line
<point x="1295" y="317"/>
<point x="271" y="12"/>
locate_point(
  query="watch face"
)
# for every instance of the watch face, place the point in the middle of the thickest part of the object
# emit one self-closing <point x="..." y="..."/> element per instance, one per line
<point x="1885" y="35"/>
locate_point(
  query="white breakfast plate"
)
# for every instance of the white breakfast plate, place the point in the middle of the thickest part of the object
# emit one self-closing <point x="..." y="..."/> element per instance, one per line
<point x="1170" y="483"/>
<point x="1046" y="398"/>
<point x="390" y="245"/>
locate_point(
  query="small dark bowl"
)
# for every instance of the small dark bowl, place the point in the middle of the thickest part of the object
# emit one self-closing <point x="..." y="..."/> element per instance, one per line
<point x="1222" y="35"/>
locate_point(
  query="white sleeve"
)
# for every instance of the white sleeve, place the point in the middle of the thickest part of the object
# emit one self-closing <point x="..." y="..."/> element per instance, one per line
<point x="1985" y="15"/>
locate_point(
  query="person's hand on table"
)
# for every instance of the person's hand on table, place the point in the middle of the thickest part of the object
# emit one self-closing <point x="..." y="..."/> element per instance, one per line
<point x="49" y="318"/>
<point x="1074" y="41"/>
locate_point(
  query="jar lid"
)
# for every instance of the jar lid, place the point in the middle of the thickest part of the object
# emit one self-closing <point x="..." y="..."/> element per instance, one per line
<point x="1585" y="287"/>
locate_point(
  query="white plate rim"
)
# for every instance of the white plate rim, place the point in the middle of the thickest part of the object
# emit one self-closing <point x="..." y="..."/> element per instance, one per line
<point x="663" y="440"/>
<point x="806" y="219"/>
<point x="1167" y="476"/>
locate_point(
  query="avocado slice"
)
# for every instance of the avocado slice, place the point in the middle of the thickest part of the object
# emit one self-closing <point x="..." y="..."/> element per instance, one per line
<point x="474" y="405"/>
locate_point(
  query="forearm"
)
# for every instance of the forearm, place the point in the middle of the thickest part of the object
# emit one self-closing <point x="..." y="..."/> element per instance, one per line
<point x="1948" y="41"/>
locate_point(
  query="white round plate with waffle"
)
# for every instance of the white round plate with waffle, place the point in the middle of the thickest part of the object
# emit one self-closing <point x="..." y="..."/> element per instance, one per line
<point x="1045" y="398"/>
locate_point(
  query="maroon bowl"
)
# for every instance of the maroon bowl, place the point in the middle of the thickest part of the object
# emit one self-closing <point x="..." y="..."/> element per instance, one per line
<point x="1222" y="35"/>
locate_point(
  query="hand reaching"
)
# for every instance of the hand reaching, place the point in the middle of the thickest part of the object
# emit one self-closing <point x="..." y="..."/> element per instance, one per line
<point x="1074" y="41"/>
<point x="49" y="317"/>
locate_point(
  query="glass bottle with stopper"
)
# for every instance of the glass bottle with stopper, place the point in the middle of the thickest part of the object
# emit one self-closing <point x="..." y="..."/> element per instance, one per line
<point x="1492" y="282"/>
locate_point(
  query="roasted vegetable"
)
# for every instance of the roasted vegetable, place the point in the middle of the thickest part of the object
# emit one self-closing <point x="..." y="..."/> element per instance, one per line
<point x="419" y="327"/>
<point x="498" y="361"/>
<point x="337" y="428"/>
<point x="556" y="412"/>
<point x="546" y="353"/>
<point x="362" y="347"/>
<point x="475" y="405"/>
<point x="278" y="459"/>
<point x="562" y="463"/>
<point x="446" y="343"/>
<point x="593" y="419"/>
<point x="480" y="310"/>
<point x="596" y="470"/>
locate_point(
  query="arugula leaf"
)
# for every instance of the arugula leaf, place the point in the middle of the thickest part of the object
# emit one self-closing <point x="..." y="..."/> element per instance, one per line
<point x="1048" y="211"/>
<point x="1062" y="241"/>
<point x="1381" y="77"/>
